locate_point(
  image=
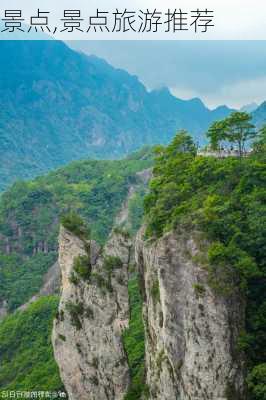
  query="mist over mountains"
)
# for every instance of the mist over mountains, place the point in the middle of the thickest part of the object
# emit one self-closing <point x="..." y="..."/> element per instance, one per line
<point x="58" y="105"/>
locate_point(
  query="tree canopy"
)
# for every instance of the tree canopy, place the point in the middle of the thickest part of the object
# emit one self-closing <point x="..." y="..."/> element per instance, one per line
<point x="235" y="130"/>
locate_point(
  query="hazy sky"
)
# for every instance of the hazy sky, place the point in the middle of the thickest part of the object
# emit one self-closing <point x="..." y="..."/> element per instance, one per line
<point x="219" y="72"/>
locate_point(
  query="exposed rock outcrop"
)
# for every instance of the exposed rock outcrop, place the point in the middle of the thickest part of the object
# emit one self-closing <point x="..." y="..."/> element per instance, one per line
<point x="51" y="285"/>
<point x="93" y="312"/>
<point x="3" y="309"/>
<point x="191" y="331"/>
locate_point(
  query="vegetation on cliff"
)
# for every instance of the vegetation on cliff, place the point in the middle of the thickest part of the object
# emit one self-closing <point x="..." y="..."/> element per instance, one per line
<point x="225" y="200"/>
<point x="30" y="214"/>
<point x="134" y="343"/>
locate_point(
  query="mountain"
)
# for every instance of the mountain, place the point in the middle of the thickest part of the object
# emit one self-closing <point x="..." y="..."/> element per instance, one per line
<point x="106" y="194"/>
<point x="57" y="105"/>
<point x="30" y="214"/>
<point x="200" y="259"/>
<point x="259" y="115"/>
<point x="201" y="269"/>
<point x="249" y="107"/>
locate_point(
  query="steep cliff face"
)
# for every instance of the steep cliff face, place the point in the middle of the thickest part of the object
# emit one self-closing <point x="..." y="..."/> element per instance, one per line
<point x="191" y="331"/>
<point x="93" y="312"/>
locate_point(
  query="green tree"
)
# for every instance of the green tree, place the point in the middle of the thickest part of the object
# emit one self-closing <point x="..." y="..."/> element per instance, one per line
<point x="216" y="133"/>
<point x="182" y="143"/>
<point x="239" y="130"/>
<point x="260" y="143"/>
<point x="236" y="130"/>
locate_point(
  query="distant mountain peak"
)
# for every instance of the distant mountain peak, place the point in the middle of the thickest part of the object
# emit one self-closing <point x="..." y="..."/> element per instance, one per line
<point x="223" y="108"/>
<point x="249" y="107"/>
<point x="58" y="105"/>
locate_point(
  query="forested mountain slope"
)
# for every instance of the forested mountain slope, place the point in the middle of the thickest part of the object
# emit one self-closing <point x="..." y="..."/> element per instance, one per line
<point x="57" y="105"/>
<point x="30" y="213"/>
<point x="211" y="214"/>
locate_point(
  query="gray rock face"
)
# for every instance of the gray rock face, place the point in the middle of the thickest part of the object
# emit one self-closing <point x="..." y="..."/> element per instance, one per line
<point x="51" y="285"/>
<point x="91" y="318"/>
<point x="3" y="309"/>
<point x="191" y="331"/>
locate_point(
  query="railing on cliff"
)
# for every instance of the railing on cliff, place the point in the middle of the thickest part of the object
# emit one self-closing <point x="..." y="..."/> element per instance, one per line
<point x="222" y="153"/>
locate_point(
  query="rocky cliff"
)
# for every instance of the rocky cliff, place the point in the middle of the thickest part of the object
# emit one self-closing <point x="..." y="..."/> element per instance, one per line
<point x="191" y="331"/>
<point x="93" y="312"/>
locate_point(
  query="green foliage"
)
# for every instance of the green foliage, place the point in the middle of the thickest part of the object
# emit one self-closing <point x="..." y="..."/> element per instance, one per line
<point x="82" y="267"/>
<point x="120" y="230"/>
<point x="259" y="145"/>
<point x="225" y="200"/>
<point x="236" y="129"/>
<point x="89" y="191"/>
<point x="182" y="143"/>
<point x="21" y="278"/>
<point x="257" y="382"/>
<point x="75" y="224"/>
<point x="112" y="262"/>
<point x="199" y="289"/>
<point x="76" y="312"/>
<point x="135" y="208"/>
<point x="133" y="339"/>
<point x="74" y="279"/>
<point x="27" y="361"/>
<point x="99" y="280"/>
<point x="104" y="280"/>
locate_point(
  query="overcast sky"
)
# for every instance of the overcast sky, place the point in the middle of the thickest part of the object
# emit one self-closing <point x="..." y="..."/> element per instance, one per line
<point x="219" y="72"/>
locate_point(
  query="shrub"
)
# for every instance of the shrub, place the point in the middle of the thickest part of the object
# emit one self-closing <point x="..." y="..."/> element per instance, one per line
<point x="257" y="382"/>
<point x="75" y="224"/>
<point x="73" y="279"/>
<point x="112" y="262"/>
<point x="82" y="267"/>
<point x="199" y="289"/>
<point x="76" y="311"/>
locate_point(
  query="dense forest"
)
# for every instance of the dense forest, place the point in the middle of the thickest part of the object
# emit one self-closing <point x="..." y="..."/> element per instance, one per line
<point x="27" y="361"/>
<point x="221" y="198"/>
<point x="224" y="200"/>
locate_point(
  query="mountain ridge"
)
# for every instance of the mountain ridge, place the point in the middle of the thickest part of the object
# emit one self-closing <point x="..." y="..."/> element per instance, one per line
<point x="58" y="105"/>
